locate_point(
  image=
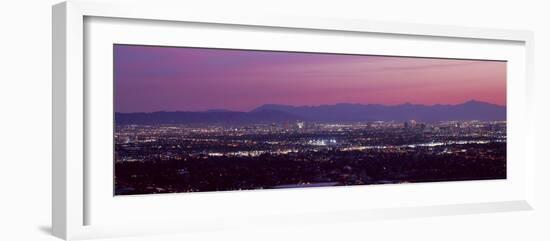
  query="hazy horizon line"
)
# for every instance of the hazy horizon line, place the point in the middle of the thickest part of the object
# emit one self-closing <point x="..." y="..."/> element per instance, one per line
<point x="319" y="105"/>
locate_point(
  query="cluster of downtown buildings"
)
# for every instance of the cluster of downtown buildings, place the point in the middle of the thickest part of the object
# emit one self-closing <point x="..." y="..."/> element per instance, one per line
<point x="191" y="158"/>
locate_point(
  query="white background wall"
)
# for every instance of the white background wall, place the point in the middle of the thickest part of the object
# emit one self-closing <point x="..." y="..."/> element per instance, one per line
<point x="25" y="119"/>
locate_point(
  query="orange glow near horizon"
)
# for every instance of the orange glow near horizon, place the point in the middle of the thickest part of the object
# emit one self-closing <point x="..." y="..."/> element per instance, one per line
<point x="195" y="79"/>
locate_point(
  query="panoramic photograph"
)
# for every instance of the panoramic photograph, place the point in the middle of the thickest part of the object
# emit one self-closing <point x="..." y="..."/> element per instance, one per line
<point x="193" y="119"/>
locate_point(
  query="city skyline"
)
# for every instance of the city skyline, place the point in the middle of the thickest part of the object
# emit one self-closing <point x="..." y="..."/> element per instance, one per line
<point x="203" y="120"/>
<point x="150" y="79"/>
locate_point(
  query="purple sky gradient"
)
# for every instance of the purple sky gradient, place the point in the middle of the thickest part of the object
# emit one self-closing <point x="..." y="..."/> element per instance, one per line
<point x="149" y="79"/>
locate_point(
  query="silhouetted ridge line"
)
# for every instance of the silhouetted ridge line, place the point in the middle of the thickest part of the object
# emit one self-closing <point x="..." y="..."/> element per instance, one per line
<point x="342" y="112"/>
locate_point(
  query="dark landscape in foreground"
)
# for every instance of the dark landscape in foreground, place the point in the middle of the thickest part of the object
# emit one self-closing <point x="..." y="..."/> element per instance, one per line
<point x="158" y="157"/>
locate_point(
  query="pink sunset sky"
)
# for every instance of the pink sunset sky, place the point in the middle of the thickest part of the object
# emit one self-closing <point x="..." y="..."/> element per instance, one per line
<point x="149" y="79"/>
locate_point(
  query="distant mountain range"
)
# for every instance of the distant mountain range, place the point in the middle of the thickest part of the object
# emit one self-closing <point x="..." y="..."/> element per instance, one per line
<point x="344" y="112"/>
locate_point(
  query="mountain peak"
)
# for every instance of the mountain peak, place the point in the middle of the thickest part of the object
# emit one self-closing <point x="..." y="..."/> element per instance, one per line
<point x="473" y="101"/>
<point x="342" y="112"/>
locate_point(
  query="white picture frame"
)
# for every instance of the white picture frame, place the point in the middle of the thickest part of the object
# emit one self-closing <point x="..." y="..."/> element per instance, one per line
<point x="72" y="191"/>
